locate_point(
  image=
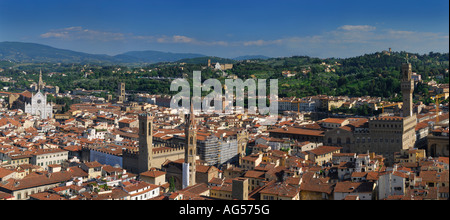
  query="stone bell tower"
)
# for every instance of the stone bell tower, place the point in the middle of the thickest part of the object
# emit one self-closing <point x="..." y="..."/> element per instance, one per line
<point x="407" y="90"/>
<point x="145" y="142"/>
<point x="190" y="154"/>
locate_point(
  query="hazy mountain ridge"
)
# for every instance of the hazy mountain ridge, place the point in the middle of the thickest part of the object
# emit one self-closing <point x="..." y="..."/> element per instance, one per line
<point x="38" y="53"/>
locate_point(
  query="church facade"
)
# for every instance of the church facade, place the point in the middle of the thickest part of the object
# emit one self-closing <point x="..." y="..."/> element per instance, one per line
<point x="38" y="105"/>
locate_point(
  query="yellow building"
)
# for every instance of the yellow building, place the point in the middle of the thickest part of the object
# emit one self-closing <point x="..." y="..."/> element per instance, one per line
<point x="323" y="154"/>
<point x="251" y="161"/>
<point x="224" y="192"/>
<point x="153" y="176"/>
<point x="19" y="159"/>
<point x="94" y="169"/>
<point x="409" y="155"/>
<point x="255" y="179"/>
<point x="236" y="188"/>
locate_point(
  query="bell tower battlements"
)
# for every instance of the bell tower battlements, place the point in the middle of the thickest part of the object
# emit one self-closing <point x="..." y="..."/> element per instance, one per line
<point x="145" y="141"/>
<point x="191" y="144"/>
<point x="407" y="90"/>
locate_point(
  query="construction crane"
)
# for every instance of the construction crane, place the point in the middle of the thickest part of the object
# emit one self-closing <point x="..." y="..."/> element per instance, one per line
<point x="387" y="106"/>
<point x="437" y="102"/>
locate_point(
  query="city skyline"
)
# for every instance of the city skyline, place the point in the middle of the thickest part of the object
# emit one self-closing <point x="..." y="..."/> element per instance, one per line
<point x="230" y="29"/>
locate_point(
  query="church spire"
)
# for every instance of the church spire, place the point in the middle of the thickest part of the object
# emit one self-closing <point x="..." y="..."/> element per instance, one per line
<point x="41" y="83"/>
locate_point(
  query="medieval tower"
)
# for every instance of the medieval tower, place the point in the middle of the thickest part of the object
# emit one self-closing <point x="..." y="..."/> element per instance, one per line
<point x="190" y="152"/>
<point x="145" y="142"/>
<point x="407" y="90"/>
<point x="121" y="93"/>
<point x="385" y="135"/>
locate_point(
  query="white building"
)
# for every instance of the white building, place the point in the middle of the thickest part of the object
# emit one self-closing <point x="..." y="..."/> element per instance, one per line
<point x="140" y="190"/>
<point x="45" y="157"/>
<point x="391" y="184"/>
<point x="92" y="134"/>
<point x="39" y="106"/>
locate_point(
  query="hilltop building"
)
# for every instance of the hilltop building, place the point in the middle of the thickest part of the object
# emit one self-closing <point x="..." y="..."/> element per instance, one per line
<point x="219" y="66"/>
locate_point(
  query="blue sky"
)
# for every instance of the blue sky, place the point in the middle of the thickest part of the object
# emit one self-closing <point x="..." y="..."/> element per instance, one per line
<point x="319" y="28"/>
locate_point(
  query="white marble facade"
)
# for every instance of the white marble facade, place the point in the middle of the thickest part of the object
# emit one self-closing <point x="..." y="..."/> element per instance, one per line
<point x="39" y="106"/>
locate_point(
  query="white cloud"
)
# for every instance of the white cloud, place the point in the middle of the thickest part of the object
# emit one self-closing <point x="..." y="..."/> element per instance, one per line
<point x="260" y="42"/>
<point x="175" y="39"/>
<point x="355" y="40"/>
<point x="343" y="41"/>
<point x="80" y="33"/>
<point x="75" y="33"/>
<point x="357" y="28"/>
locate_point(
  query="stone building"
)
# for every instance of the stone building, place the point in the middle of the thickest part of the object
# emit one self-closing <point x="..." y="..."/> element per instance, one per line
<point x="121" y="93"/>
<point x="384" y="135"/>
<point x="438" y="143"/>
<point x="149" y="155"/>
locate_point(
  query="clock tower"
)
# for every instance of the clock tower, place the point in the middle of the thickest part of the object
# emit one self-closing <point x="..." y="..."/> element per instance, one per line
<point x="407" y="90"/>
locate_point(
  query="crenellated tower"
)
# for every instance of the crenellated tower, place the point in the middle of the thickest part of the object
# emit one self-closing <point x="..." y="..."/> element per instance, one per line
<point x="407" y="90"/>
<point x="145" y="142"/>
<point x="190" y="152"/>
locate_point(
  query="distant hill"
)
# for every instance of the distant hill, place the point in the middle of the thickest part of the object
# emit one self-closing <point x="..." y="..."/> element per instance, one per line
<point x="204" y="60"/>
<point x="20" y="52"/>
<point x="38" y="53"/>
<point x="251" y="57"/>
<point x="153" y="56"/>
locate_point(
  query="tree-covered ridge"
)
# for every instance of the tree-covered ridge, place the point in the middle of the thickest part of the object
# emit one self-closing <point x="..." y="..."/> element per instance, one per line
<point x="375" y="74"/>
